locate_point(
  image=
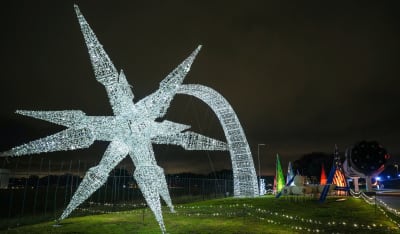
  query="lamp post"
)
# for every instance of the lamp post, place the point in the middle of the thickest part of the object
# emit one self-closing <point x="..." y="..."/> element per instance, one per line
<point x="259" y="166"/>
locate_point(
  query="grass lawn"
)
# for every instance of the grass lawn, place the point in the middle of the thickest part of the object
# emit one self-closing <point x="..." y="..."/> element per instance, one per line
<point x="231" y="215"/>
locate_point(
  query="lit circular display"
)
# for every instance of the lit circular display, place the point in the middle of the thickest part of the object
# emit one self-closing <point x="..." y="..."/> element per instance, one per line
<point x="367" y="157"/>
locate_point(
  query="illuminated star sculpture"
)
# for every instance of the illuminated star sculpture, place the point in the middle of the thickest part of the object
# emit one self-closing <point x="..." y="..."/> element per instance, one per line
<point x="133" y="129"/>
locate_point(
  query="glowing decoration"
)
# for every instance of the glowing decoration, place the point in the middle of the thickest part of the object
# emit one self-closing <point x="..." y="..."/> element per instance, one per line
<point x="287" y="221"/>
<point x="336" y="177"/>
<point x="244" y="174"/>
<point x="339" y="180"/>
<point x="280" y="179"/>
<point x="263" y="191"/>
<point x="385" y="208"/>
<point x="290" y="175"/>
<point x="365" y="159"/>
<point x="323" y="176"/>
<point x="133" y="129"/>
<point x="290" y="182"/>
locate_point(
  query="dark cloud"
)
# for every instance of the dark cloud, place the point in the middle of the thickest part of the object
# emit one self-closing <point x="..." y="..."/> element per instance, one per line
<point x="301" y="76"/>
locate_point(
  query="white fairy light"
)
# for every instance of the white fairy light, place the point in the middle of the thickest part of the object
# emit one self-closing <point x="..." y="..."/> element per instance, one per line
<point x="272" y="217"/>
<point x="244" y="174"/>
<point x="133" y="129"/>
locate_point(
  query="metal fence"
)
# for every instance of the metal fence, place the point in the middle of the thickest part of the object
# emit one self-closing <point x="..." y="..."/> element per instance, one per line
<point x="46" y="189"/>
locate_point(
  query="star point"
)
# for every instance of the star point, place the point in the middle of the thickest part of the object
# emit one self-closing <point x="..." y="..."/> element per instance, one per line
<point x="133" y="129"/>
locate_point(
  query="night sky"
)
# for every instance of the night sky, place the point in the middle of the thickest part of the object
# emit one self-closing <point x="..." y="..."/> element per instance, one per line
<point x="301" y="77"/>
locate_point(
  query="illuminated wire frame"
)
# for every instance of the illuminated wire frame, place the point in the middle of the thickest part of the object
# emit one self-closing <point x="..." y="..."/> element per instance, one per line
<point x="323" y="176"/>
<point x="244" y="174"/>
<point x="290" y="175"/>
<point x="339" y="179"/>
<point x="133" y="129"/>
<point x="280" y="179"/>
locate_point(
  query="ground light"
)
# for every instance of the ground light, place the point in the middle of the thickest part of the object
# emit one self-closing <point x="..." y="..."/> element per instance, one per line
<point x="257" y="215"/>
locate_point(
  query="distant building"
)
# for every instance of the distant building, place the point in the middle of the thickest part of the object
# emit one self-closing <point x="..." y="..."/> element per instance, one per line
<point x="4" y="178"/>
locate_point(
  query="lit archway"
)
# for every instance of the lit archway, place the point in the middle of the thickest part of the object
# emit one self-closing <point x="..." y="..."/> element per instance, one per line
<point x="244" y="174"/>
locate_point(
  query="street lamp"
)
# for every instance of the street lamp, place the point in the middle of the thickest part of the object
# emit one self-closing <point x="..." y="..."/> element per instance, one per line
<point x="259" y="166"/>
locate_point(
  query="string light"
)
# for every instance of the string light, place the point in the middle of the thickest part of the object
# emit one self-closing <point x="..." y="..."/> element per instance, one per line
<point x="271" y="217"/>
<point x="263" y="191"/>
<point x="383" y="207"/>
<point x="133" y="129"/>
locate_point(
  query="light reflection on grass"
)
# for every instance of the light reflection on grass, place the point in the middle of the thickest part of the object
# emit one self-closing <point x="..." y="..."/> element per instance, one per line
<point x="258" y="215"/>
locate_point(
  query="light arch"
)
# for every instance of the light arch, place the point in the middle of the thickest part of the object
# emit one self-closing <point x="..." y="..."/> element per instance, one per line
<point x="244" y="174"/>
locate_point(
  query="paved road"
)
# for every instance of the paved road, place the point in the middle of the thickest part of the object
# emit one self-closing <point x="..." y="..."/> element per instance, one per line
<point x="390" y="197"/>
